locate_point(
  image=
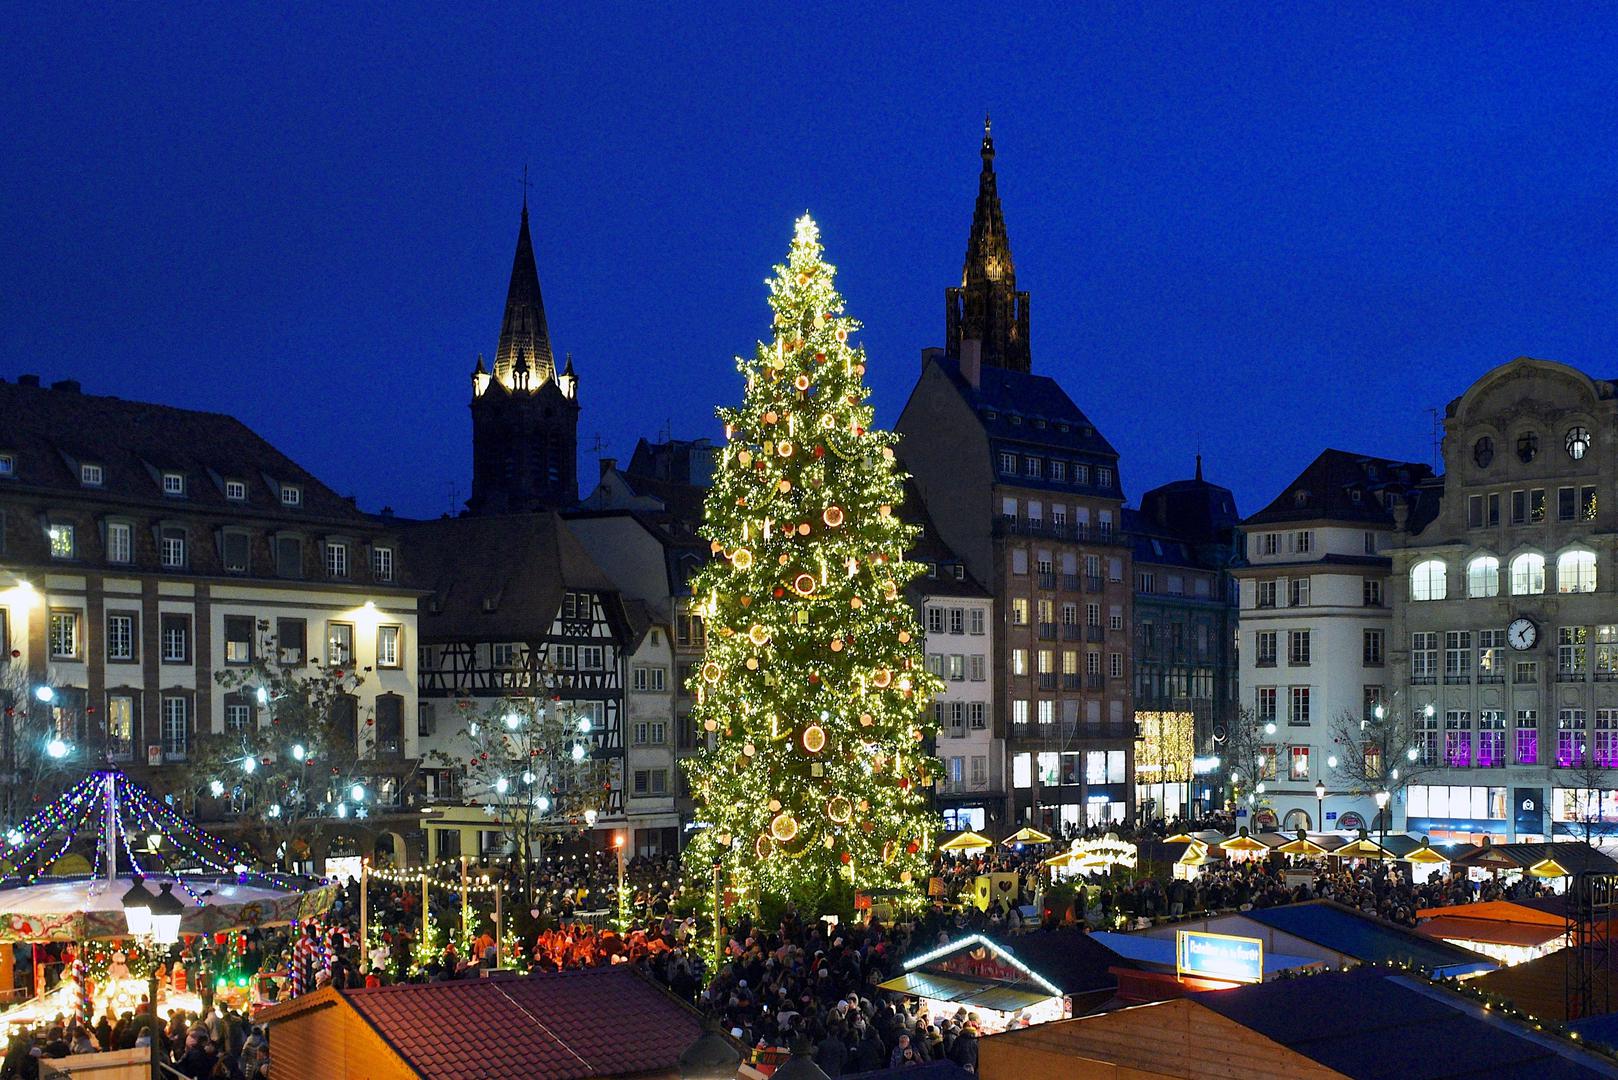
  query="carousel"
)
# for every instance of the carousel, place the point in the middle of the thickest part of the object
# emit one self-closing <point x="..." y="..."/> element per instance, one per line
<point x="124" y="934"/>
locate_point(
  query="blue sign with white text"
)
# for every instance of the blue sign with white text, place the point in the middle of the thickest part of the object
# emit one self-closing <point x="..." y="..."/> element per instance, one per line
<point x="1219" y="956"/>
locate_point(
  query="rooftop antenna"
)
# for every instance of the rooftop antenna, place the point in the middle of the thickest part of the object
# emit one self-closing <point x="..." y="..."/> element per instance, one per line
<point x="597" y="446"/>
<point x="525" y="186"/>
<point x="1437" y="437"/>
<point x="666" y="433"/>
<point x="453" y="490"/>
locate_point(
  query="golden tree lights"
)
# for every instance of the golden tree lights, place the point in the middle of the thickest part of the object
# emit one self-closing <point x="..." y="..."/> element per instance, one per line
<point x="813" y="684"/>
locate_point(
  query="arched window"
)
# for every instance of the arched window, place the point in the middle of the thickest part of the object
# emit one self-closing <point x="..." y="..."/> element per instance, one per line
<point x="1576" y="571"/>
<point x="1527" y="574"/>
<point x="1483" y="576"/>
<point x="1427" y="580"/>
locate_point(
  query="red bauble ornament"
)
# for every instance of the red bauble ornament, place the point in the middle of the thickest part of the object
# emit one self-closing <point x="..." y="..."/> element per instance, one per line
<point x="813" y="678"/>
<point x="219" y="938"/>
<point x="911" y="847"/>
<point x="904" y="783"/>
<point x="337" y="674"/>
<point x="820" y="451"/>
<point x="820" y="358"/>
<point x="779" y="592"/>
<point x="845" y="857"/>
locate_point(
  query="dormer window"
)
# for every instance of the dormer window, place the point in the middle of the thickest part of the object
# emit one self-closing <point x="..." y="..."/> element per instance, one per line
<point x="173" y="483"/>
<point x="1300" y="498"/>
<point x="91" y="475"/>
<point x="991" y="415"/>
<point x="1062" y="427"/>
<point x="1040" y="424"/>
<point x="1016" y="421"/>
<point x="291" y="495"/>
<point x="236" y="490"/>
<point x="8" y="464"/>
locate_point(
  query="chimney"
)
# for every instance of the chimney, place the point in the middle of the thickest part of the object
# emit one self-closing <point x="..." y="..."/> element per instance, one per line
<point x="972" y="361"/>
<point x="28" y="380"/>
<point x="607" y="465"/>
<point x="66" y="386"/>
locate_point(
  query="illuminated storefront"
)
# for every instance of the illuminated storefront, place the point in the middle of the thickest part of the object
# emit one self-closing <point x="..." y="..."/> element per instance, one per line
<point x="1164" y="752"/>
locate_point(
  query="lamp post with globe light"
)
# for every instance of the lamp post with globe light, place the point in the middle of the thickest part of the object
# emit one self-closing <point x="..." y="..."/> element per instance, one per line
<point x="1320" y="805"/>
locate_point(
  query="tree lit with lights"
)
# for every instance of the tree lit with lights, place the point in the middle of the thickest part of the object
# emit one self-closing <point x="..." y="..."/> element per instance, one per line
<point x="812" y="687"/>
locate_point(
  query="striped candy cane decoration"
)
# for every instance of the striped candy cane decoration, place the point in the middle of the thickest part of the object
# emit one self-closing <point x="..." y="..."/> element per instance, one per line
<point x="83" y="1008"/>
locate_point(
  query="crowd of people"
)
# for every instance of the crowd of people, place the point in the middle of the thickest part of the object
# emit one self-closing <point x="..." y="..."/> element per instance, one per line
<point x="802" y="981"/>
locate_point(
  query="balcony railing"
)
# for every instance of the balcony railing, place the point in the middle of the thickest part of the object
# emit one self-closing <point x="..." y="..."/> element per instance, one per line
<point x="1095" y="633"/>
<point x="1047" y="580"/>
<point x="1072" y="682"/>
<point x="1095" y="682"/>
<point x="1070" y="582"/>
<point x="1070" y="632"/>
<point x="1047" y="631"/>
<point x="1093" y="584"/>
<point x="1083" y="534"/>
<point x="1047" y="681"/>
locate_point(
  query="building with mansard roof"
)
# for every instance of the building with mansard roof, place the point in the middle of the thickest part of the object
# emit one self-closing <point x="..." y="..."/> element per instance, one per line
<point x="1315" y="620"/>
<point x="145" y="549"/>
<point x="1026" y="491"/>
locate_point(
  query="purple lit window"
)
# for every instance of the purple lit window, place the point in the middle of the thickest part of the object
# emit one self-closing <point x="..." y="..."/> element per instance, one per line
<point x="1491" y="749"/>
<point x="1458" y="749"/>
<point x="1569" y="749"/>
<point x="1606" y="749"/>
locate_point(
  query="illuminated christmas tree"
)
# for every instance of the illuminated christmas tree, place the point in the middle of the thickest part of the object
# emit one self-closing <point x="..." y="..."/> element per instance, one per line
<point x="812" y="685"/>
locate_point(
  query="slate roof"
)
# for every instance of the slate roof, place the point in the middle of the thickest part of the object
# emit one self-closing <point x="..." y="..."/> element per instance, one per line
<point x="496" y="576"/>
<point x="930" y="548"/>
<point x="596" y="1022"/>
<point x="1191" y="511"/>
<point x="1376" y="1025"/>
<point x="1329" y="485"/>
<point x="53" y="430"/>
<point x="1367" y="939"/>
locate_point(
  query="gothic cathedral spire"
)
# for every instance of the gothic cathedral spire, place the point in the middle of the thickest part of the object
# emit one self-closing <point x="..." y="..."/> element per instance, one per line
<point x="525" y="417"/>
<point x="986" y="312"/>
<point x="523" y="330"/>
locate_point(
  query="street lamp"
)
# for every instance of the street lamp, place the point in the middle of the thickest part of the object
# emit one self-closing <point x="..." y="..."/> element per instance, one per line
<point x="1382" y="798"/>
<point x="1320" y="805"/>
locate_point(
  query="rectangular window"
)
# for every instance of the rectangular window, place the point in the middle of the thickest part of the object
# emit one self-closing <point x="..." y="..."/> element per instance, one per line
<point x="1426" y="726"/>
<point x="1570" y="739"/>
<point x="1458" y="656"/>
<point x="120" y="727"/>
<point x="1019" y="661"/>
<point x="1019" y="611"/>
<point x="1299" y="716"/>
<point x="382" y="563"/>
<point x="1606" y="652"/>
<point x="1371" y="592"/>
<point x="957" y="667"/>
<point x="1264" y="648"/>
<point x="238" y="717"/>
<point x="1491" y="656"/>
<point x="234" y="547"/>
<point x="1019" y="712"/>
<point x="1298" y="649"/>
<point x="976" y="622"/>
<point x="1474" y="511"/>
<point x="1458" y="739"/>
<point x="957" y="621"/>
<point x="1424" y="657"/>
<point x="1298" y="594"/>
<point x="1536" y="506"/>
<point x="61" y="538"/>
<point x="1269" y="543"/>
<point x="1031" y="467"/>
<point x="1264" y="704"/>
<point x="235" y="491"/>
<point x="387" y="646"/>
<point x="1567" y="503"/>
<point x="120" y="542"/>
<point x="1606" y="738"/>
<point x="1525" y="672"/>
<point x="1115" y="665"/>
<point x="976" y="667"/>
<point x="1144" y="582"/>
<point x="1299" y="767"/>
<point x="339" y="644"/>
<point x="592" y="657"/>
<point x="176" y="728"/>
<point x="174" y="631"/>
<point x="1092" y="662"/>
<point x="64" y="635"/>
<point x="1519" y="507"/>
<point x="291" y="495"/>
<point x="1047" y="713"/>
<point x="1527" y="736"/>
<point x="120" y="635"/>
<point x="1370" y="701"/>
<point x="291" y="638"/>
<point x="336" y="560"/>
<point x="171" y="550"/>
<point x="1570" y="653"/>
<point x="1372" y="647"/>
<point x="8" y="465"/>
<point x="1103" y="479"/>
<point x="1303" y="541"/>
<point x="238" y="639"/>
<point x="1587" y="503"/>
<point x="935" y="620"/>
<point x="977" y="715"/>
<point x="289" y="557"/>
<point x="1266" y="594"/>
<point x="90" y="475"/>
<point x="649" y="679"/>
<point x="173" y="483"/>
<point x="1081" y="473"/>
<point x="1058" y="470"/>
<point x="1008" y="464"/>
<point x="1491" y="739"/>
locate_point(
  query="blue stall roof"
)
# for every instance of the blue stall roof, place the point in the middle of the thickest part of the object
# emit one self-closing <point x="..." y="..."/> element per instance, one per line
<point x="1378" y="1025"/>
<point x="1368" y="939"/>
<point x="1159" y="952"/>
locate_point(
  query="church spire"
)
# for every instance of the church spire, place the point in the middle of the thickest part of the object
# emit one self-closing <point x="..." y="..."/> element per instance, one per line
<point x="988" y="250"/>
<point x="523" y="330"/>
<point x="986" y="317"/>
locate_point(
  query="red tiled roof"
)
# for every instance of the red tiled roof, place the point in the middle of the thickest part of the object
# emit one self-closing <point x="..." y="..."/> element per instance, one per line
<point x="574" y="1024"/>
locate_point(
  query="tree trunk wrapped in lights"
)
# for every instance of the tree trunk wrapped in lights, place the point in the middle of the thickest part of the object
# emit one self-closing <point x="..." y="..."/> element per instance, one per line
<point x="812" y="689"/>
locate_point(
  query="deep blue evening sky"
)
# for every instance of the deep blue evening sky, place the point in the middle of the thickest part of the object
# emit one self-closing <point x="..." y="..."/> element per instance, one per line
<point x="1267" y="232"/>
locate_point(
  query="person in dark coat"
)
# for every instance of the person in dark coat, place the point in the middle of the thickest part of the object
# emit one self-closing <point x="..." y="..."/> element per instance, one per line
<point x="832" y="1053"/>
<point x="964" y="1051"/>
<point x="870" y="1054"/>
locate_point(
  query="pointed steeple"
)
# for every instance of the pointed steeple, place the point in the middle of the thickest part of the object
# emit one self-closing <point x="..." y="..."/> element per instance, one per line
<point x="523" y="330"/>
<point x="986" y="318"/>
<point x="988" y="249"/>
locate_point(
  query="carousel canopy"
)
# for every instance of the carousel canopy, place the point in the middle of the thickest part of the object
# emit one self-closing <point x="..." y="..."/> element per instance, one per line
<point x="134" y="836"/>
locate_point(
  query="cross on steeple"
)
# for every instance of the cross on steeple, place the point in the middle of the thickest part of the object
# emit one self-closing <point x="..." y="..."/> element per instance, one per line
<point x="526" y="186"/>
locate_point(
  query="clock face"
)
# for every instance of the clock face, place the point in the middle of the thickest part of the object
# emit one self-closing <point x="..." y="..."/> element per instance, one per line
<point x="1521" y="634"/>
